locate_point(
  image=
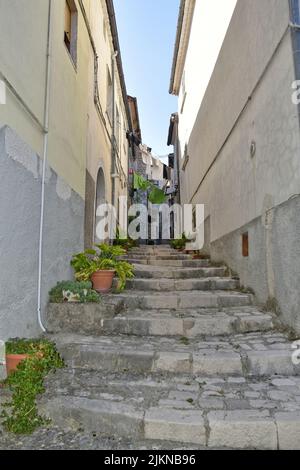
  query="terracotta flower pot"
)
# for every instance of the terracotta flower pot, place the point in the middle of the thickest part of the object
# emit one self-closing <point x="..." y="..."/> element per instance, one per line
<point x="13" y="360"/>
<point x="102" y="280"/>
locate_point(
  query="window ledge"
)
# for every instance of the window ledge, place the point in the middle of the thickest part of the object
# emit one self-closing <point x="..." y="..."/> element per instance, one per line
<point x="185" y="162"/>
<point x="109" y="119"/>
<point x="183" y="103"/>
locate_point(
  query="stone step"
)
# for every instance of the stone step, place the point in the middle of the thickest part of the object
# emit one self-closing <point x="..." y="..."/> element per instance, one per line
<point x="156" y="272"/>
<point x="232" y="412"/>
<point x="166" y="285"/>
<point x="254" y="354"/>
<point x="152" y="249"/>
<point x="167" y="257"/>
<point x="99" y="319"/>
<point x="149" y="254"/>
<point x="139" y="299"/>
<point x="176" y="263"/>
<point x="186" y="323"/>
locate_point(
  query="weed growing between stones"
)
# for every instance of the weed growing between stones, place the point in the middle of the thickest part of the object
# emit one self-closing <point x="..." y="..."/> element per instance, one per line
<point x="184" y="340"/>
<point x="20" y="415"/>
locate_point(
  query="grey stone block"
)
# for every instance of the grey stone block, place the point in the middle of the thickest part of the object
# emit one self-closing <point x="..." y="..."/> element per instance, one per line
<point x="288" y="425"/>
<point x="173" y="362"/>
<point x="175" y="425"/>
<point x="213" y="363"/>
<point x="101" y="416"/>
<point x="242" y="429"/>
<point x="78" y="318"/>
<point x="270" y="362"/>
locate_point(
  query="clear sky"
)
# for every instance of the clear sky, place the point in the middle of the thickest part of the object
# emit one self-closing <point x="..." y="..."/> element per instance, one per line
<point x="147" y="31"/>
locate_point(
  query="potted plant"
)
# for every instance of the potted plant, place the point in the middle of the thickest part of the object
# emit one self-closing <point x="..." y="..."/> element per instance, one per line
<point x="101" y="266"/>
<point x="179" y="243"/>
<point x="20" y="414"/>
<point x="13" y="360"/>
<point x="19" y="350"/>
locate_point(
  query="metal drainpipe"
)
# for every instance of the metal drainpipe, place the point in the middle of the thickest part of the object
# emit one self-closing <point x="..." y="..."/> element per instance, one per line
<point x="113" y="150"/>
<point x="45" y="157"/>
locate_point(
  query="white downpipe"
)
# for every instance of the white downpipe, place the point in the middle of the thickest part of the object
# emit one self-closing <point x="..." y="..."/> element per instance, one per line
<point x="45" y="157"/>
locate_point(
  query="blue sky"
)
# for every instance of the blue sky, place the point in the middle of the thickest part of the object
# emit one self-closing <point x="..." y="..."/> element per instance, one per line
<point x="147" y="30"/>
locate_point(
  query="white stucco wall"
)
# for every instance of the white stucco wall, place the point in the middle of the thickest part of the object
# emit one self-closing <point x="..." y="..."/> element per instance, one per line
<point x="77" y="136"/>
<point x="209" y="26"/>
<point x="234" y="187"/>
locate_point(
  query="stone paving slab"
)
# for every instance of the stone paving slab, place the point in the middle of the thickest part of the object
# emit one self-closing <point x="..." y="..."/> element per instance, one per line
<point x="246" y="429"/>
<point x="160" y="256"/>
<point x="192" y="263"/>
<point x="185" y="323"/>
<point x="257" y="354"/>
<point x="214" y="412"/>
<point x="183" y="425"/>
<point x="106" y="318"/>
<point x="185" y="263"/>
<point x="185" y="355"/>
<point x="174" y="300"/>
<point x="165" y="284"/>
<point x="55" y="438"/>
<point x="158" y="272"/>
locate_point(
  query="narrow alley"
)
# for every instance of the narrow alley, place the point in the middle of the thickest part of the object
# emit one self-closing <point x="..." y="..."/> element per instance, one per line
<point x="149" y="245"/>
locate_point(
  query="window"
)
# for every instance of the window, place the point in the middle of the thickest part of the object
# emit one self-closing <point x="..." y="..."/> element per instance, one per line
<point x="245" y="244"/>
<point x="70" y="33"/>
<point x="109" y="92"/>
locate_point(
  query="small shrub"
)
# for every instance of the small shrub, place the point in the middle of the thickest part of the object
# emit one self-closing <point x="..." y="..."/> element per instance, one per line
<point x="184" y="340"/>
<point x="70" y="291"/>
<point x="179" y="243"/>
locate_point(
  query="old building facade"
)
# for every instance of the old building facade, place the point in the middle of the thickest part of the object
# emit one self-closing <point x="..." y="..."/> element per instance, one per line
<point x="239" y="139"/>
<point x="63" y="146"/>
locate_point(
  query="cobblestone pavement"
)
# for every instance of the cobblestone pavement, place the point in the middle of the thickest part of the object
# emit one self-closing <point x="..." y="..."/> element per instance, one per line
<point x="54" y="438"/>
<point x="169" y="368"/>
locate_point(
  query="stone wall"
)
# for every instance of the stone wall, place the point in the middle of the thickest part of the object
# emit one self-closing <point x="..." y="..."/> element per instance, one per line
<point x="272" y="269"/>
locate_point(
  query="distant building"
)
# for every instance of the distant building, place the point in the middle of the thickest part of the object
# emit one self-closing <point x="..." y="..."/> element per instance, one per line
<point x="136" y="164"/>
<point x="238" y="140"/>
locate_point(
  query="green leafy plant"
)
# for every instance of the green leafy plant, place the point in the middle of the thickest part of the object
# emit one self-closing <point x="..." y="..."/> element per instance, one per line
<point x="20" y="414"/>
<point x="179" y="243"/>
<point x="104" y="257"/>
<point x="70" y="291"/>
<point x="184" y="340"/>
<point x="156" y="195"/>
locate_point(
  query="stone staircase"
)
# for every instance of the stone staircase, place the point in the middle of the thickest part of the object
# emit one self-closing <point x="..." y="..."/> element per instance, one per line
<point x="181" y="356"/>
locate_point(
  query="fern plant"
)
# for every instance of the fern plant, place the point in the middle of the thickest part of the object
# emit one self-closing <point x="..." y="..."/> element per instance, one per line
<point x="104" y="257"/>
